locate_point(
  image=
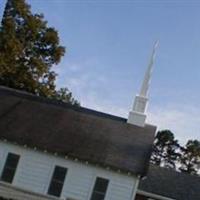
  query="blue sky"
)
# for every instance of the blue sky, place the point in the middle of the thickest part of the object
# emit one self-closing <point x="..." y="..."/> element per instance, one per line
<point x="108" y="47"/>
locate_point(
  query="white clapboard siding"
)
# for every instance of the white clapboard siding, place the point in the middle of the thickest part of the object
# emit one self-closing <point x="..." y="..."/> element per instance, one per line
<point x="35" y="170"/>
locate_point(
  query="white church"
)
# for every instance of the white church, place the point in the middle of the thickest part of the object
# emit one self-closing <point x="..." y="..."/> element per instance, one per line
<point x="52" y="150"/>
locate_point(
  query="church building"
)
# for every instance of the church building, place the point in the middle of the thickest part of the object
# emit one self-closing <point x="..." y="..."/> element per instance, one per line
<point x="50" y="150"/>
<point x="55" y="150"/>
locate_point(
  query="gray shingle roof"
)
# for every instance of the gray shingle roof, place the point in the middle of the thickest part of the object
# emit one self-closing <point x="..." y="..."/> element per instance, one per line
<point x="74" y="131"/>
<point x="171" y="184"/>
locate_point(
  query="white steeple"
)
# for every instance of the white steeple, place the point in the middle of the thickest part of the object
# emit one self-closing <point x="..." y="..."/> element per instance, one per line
<point x="137" y="116"/>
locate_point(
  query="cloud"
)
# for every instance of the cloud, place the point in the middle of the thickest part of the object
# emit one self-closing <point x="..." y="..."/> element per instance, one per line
<point x="184" y="123"/>
<point x="183" y="120"/>
<point x="91" y="88"/>
<point x="82" y="79"/>
<point x="93" y="101"/>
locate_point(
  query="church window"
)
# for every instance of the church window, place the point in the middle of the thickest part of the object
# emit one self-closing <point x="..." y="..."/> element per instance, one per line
<point x="100" y="188"/>
<point x="10" y="167"/>
<point x="57" y="181"/>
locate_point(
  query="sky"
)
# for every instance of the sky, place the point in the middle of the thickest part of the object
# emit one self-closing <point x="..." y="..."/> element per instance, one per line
<point x="108" y="45"/>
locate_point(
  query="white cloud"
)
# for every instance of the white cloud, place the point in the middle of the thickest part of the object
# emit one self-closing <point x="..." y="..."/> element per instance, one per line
<point x="94" y="102"/>
<point x="183" y="120"/>
<point x="87" y="86"/>
<point x="74" y="67"/>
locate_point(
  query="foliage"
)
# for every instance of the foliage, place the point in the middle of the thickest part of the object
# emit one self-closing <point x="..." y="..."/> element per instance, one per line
<point x="165" y="150"/>
<point x="28" y="51"/>
<point x="63" y="94"/>
<point x="169" y="153"/>
<point x="190" y="157"/>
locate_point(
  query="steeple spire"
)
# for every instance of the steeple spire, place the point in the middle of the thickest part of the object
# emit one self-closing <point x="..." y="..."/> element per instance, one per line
<point x="147" y="77"/>
<point x="137" y="116"/>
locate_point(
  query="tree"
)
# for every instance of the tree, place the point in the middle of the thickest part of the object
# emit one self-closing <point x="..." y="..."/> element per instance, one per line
<point x="63" y="94"/>
<point x="190" y="157"/>
<point x="28" y="51"/>
<point x="165" y="149"/>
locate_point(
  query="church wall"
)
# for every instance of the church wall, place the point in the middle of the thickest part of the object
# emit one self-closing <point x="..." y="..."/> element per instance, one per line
<point x="35" y="170"/>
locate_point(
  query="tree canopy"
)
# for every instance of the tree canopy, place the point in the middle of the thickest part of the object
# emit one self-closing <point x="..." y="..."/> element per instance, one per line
<point x="190" y="157"/>
<point x="169" y="153"/>
<point x="165" y="152"/>
<point x="28" y="51"/>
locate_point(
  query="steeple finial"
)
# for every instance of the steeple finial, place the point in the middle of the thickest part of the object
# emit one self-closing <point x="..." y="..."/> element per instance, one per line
<point x="137" y="116"/>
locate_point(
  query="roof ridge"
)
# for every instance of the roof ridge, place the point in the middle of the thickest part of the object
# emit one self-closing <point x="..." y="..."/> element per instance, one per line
<point x="28" y="95"/>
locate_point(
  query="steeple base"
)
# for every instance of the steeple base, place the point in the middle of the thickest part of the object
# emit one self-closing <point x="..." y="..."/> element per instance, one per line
<point x="136" y="118"/>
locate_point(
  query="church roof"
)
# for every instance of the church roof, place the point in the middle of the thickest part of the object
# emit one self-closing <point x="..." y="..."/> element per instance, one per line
<point x="75" y="132"/>
<point x="170" y="183"/>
